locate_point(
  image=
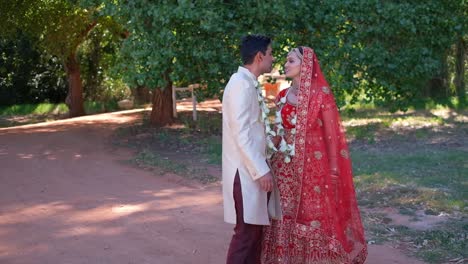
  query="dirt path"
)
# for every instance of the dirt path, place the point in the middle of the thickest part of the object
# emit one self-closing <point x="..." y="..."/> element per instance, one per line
<point x="66" y="196"/>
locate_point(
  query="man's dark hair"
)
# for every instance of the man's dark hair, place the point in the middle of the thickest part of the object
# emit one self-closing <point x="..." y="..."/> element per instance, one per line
<point x="251" y="45"/>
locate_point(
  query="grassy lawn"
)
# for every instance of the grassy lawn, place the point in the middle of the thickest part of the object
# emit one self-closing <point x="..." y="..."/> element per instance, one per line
<point x="187" y="148"/>
<point x="34" y="113"/>
<point x="411" y="171"/>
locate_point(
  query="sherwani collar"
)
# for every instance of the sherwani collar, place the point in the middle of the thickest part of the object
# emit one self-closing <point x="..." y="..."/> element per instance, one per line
<point x="247" y="73"/>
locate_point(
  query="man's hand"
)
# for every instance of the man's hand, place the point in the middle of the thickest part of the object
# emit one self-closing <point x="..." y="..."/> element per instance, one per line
<point x="266" y="182"/>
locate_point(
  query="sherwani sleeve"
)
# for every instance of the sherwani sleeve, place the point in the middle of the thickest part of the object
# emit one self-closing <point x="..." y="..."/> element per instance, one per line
<point x="241" y="120"/>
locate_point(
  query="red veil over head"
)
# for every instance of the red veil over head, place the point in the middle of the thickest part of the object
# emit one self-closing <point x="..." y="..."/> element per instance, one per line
<point x="326" y="204"/>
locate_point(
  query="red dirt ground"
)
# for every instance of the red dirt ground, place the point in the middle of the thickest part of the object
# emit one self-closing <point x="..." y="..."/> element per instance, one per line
<point x="67" y="196"/>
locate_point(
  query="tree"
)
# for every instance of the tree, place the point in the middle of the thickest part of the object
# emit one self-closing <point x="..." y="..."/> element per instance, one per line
<point x="386" y="50"/>
<point x="461" y="27"/>
<point x="460" y="71"/>
<point x="28" y="75"/>
<point x="97" y="55"/>
<point x="61" y="26"/>
<point x="183" y="42"/>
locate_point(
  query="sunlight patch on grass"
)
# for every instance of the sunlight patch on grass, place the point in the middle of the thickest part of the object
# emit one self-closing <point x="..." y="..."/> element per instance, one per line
<point x="416" y="122"/>
<point x="352" y="122"/>
<point x="413" y="163"/>
<point x="33" y="109"/>
<point x="432" y="179"/>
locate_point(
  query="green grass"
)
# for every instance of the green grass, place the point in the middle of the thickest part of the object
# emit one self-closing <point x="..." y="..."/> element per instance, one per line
<point x="33" y="109"/>
<point x="186" y="148"/>
<point x="35" y="113"/>
<point x="414" y="163"/>
<point x="447" y="241"/>
<point x="435" y="179"/>
<point x="100" y="107"/>
<point x="213" y="148"/>
<point x="151" y="159"/>
<point x="48" y="108"/>
<point x="434" y="244"/>
<point x="417" y="104"/>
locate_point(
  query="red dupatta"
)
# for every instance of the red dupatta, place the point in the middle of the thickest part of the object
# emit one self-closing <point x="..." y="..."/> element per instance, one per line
<point x="324" y="202"/>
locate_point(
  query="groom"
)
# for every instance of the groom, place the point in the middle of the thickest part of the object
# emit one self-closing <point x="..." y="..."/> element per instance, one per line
<point x="246" y="175"/>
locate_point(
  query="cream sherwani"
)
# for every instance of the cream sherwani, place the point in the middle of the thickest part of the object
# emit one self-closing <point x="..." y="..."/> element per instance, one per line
<point x="244" y="146"/>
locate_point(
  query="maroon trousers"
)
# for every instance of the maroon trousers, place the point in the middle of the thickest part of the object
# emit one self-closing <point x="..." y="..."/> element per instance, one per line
<point x="246" y="243"/>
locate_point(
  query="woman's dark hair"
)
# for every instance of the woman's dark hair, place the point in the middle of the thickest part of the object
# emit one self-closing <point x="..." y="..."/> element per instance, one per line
<point x="251" y="45"/>
<point x="300" y="50"/>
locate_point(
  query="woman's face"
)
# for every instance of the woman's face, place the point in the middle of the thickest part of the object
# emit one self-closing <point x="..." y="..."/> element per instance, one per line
<point x="292" y="68"/>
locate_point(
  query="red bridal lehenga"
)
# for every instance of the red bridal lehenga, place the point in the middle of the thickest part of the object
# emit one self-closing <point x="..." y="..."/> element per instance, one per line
<point x="321" y="221"/>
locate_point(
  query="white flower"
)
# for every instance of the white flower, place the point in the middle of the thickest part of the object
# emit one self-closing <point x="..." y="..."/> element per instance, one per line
<point x="285" y="148"/>
<point x="293" y="120"/>
<point x="283" y="145"/>
<point x="270" y="144"/>
<point x="278" y="119"/>
<point x="280" y="131"/>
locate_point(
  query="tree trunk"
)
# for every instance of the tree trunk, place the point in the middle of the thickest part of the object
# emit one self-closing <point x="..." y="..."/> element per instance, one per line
<point x="92" y="88"/>
<point x="74" y="99"/>
<point x="438" y="86"/>
<point x="161" y="114"/>
<point x="141" y="94"/>
<point x="460" y="72"/>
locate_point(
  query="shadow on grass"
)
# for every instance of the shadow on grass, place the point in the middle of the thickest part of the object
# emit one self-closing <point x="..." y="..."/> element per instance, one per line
<point x="414" y="163"/>
<point x="188" y="148"/>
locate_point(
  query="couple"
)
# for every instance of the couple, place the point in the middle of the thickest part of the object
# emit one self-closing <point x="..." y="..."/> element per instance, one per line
<point x="320" y="221"/>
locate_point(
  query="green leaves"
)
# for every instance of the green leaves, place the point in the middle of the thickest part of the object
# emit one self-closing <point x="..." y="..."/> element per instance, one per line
<point x="60" y="25"/>
<point x="384" y="50"/>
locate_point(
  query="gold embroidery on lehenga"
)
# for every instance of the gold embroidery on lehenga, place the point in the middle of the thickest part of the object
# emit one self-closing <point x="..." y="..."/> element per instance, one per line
<point x="315" y="224"/>
<point x="319" y="121"/>
<point x="307" y="235"/>
<point x="318" y="155"/>
<point x="317" y="189"/>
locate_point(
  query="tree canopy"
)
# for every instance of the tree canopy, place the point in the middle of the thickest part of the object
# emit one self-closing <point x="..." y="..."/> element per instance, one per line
<point x="387" y="52"/>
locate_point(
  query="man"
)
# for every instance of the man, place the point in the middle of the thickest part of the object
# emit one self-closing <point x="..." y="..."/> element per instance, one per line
<point x="246" y="176"/>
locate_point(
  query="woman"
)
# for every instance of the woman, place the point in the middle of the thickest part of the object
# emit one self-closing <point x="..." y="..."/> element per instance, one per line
<point x="321" y="221"/>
